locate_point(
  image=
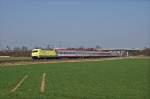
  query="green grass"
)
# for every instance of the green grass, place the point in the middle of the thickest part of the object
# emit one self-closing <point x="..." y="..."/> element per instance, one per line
<point x="111" y="79"/>
<point x="15" y="59"/>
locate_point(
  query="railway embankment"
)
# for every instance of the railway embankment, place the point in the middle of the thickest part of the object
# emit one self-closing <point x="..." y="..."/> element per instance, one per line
<point x="26" y="61"/>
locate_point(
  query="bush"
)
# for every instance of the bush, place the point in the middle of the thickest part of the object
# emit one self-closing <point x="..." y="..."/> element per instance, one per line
<point x="146" y="51"/>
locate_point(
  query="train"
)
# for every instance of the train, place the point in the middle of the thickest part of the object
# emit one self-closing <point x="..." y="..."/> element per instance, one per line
<point x="69" y="53"/>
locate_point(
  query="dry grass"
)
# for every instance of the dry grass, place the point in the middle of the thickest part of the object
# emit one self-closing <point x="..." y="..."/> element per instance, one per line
<point x="42" y="88"/>
<point x="19" y="83"/>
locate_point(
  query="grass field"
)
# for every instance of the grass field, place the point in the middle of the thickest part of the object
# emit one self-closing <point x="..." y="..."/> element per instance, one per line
<point x="109" y="79"/>
<point x="2" y="59"/>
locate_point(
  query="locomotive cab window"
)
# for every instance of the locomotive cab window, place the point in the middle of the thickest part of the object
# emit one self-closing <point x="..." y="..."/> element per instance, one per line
<point x="35" y="51"/>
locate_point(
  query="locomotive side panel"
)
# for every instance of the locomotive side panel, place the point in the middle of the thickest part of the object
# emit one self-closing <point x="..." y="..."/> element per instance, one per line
<point x="42" y="53"/>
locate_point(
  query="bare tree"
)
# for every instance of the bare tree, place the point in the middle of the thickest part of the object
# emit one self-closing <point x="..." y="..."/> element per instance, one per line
<point x="146" y="51"/>
<point x="8" y="47"/>
<point x="48" y="46"/>
<point x="98" y="46"/>
<point x="81" y="47"/>
<point x="24" y="48"/>
<point x="17" y="48"/>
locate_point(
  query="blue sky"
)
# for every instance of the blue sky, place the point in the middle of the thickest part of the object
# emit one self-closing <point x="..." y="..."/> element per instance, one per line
<point x="118" y="24"/>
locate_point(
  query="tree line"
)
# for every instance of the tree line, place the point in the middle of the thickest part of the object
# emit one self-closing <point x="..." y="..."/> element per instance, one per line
<point x="16" y="51"/>
<point x="26" y="52"/>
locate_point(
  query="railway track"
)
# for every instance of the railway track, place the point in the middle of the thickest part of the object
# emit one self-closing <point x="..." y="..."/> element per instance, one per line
<point x="50" y="61"/>
<point x="26" y="62"/>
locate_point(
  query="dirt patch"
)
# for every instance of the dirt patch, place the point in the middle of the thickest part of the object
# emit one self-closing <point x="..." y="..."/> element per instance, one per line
<point x="19" y="83"/>
<point x="42" y="88"/>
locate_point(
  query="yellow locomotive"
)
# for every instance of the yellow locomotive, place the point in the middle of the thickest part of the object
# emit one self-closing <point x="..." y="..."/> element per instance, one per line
<point x="43" y="53"/>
